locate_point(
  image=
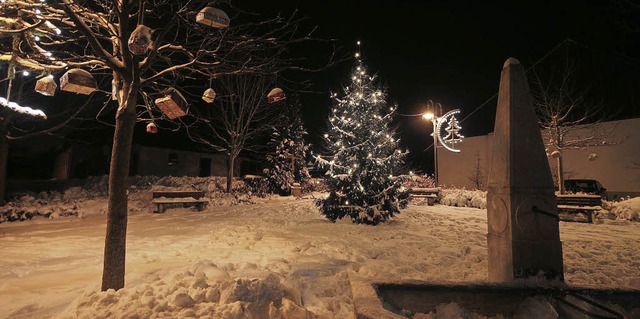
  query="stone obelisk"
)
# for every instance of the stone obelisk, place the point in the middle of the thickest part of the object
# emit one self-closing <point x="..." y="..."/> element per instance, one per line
<point x="523" y="238"/>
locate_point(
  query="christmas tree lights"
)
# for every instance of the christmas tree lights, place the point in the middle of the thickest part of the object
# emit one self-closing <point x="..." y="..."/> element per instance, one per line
<point x="360" y="176"/>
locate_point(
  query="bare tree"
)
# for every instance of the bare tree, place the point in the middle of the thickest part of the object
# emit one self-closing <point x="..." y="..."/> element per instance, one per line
<point x="239" y="117"/>
<point x="477" y="176"/>
<point x="568" y="117"/>
<point x="111" y="39"/>
<point x="20" y="122"/>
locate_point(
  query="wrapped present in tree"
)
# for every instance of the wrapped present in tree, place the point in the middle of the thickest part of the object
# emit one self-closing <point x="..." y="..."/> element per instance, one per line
<point x="172" y="103"/>
<point x="213" y="17"/>
<point x="209" y="95"/>
<point x="140" y="40"/>
<point x="152" y="128"/>
<point x="46" y="86"/>
<point x="78" y="81"/>
<point x="275" y="95"/>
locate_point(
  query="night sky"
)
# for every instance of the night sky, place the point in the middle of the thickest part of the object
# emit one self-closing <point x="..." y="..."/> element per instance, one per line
<point x="452" y="52"/>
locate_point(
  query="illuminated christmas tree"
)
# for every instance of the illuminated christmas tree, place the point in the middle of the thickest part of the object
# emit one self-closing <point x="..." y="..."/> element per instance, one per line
<point x="365" y="153"/>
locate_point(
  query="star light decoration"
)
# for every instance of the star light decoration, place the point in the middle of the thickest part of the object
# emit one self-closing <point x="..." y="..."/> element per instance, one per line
<point x="453" y="128"/>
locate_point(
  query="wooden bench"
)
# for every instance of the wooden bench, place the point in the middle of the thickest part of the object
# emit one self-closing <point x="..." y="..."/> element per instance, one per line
<point x="430" y="194"/>
<point x="571" y="205"/>
<point x="169" y="199"/>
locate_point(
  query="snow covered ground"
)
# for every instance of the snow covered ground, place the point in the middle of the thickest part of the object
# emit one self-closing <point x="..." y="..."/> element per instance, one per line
<point x="264" y="258"/>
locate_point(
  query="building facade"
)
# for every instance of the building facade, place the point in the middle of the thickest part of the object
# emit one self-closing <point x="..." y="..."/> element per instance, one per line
<point x="615" y="162"/>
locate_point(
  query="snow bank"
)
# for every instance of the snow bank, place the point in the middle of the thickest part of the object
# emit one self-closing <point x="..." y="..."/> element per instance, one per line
<point x="624" y="210"/>
<point x="627" y="210"/>
<point x="206" y="291"/>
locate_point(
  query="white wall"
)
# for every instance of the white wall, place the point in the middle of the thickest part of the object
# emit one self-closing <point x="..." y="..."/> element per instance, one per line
<point x="612" y="164"/>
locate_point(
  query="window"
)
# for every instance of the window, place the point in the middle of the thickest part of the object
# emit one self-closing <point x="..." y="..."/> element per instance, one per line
<point x="173" y="159"/>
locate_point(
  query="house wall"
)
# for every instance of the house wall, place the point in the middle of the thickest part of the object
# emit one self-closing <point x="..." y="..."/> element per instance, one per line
<point x="611" y="163"/>
<point x="156" y="161"/>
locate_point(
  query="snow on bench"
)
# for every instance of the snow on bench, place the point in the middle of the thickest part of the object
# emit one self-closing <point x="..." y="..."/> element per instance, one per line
<point x="169" y="199"/>
<point x="575" y="204"/>
<point x="430" y="194"/>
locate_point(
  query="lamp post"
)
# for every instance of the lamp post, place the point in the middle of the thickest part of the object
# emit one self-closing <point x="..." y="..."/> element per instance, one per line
<point x="432" y="117"/>
<point x="450" y="139"/>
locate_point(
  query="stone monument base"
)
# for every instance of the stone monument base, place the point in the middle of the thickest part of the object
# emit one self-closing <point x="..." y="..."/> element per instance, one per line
<point x="534" y="257"/>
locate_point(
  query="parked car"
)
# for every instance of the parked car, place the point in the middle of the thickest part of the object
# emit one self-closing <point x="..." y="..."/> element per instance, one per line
<point x="589" y="186"/>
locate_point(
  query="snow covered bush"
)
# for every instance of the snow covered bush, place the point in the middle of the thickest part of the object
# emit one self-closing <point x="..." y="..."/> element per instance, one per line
<point x="286" y="162"/>
<point x="89" y="196"/>
<point x="419" y="181"/>
<point x="461" y="197"/>
<point x="256" y="185"/>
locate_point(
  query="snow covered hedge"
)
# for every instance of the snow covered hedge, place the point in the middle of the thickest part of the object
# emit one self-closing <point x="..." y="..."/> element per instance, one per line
<point x="624" y="210"/>
<point x="463" y="198"/>
<point x="89" y="196"/>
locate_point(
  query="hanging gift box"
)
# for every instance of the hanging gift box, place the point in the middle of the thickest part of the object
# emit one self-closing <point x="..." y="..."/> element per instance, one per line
<point x="275" y="95"/>
<point x="140" y="40"/>
<point x="152" y="128"/>
<point x="213" y="17"/>
<point x="46" y="86"/>
<point x="172" y="104"/>
<point x="78" y="81"/>
<point x="209" y="95"/>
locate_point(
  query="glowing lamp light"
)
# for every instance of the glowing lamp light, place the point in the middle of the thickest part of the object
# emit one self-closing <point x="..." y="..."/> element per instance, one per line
<point x="428" y="116"/>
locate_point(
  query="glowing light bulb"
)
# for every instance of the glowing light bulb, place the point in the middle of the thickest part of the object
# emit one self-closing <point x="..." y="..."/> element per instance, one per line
<point x="37" y="38"/>
<point x="58" y="31"/>
<point x="25" y="73"/>
<point x="37" y="10"/>
<point x="47" y="53"/>
<point x="357" y="55"/>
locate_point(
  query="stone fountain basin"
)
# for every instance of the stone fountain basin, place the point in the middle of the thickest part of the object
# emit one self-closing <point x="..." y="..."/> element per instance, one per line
<point x="518" y="300"/>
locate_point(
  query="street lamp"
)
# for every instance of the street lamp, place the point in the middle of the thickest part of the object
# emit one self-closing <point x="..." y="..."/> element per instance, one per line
<point x="429" y="116"/>
<point x="448" y="140"/>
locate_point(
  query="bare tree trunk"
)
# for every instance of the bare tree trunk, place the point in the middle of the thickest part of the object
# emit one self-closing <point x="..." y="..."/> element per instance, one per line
<point x="4" y="152"/>
<point x="560" y="175"/>
<point x="116" y="237"/>
<point x="231" y="163"/>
